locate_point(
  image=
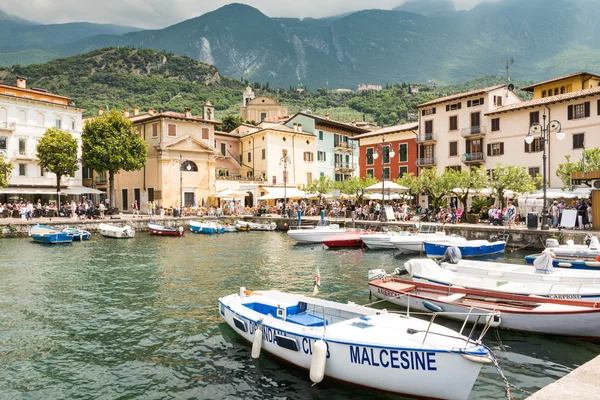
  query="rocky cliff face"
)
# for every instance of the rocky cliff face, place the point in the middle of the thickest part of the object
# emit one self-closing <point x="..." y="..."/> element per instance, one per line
<point x="433" y="41"/>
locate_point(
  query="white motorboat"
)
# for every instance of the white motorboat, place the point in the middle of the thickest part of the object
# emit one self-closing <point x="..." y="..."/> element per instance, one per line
<point x="364" y="346"/>
<point x="254" y="226"/>
<point x="523" y="313"/>
<point x="414" y="243"/>
<point x="117" y="232"/>
<point x="524" y="280"/>
<point x="383" y="240"/>
<point x="315" y="234"/>
<point x="571" y="250"/>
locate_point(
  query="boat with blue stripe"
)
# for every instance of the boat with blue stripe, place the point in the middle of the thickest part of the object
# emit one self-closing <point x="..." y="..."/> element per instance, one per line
<point x="470" y="248"/>
<point x="373" y="348"/>
<point x="207" y="228"/>
<point x="78" y="234"/>
<point x="564" y="262"/>
<point x="49" y="235"/>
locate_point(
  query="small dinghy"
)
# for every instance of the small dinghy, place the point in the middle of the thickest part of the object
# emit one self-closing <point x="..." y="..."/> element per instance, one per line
<point x="383" y="240"/>
<point x="49" y="235"/>
<point x="413" y="244"/>
<point x="540" y="280"/>
<point x="570" y="250"/>
<point x="207" y="228"/>
<point x="363" y="346"/>
<point x="78" y="234"/>
<point x="162" y="230"/>
<point x="229" y="228"/>
<point x="117" y="232"/>
<point x="315" y="234"/>
<point x="253" y="226"/>
<point x="568" y="262"/>
<point x="522" y="313"/>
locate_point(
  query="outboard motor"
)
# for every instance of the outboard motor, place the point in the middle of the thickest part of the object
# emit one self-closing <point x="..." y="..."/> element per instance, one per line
<point x="375" y="274"/>
<point x="551" y="242"/>
<point x="451" y="255"/>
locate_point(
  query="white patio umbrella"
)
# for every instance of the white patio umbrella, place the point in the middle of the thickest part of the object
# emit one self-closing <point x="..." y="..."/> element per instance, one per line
<point x="228" y="194"/>
<point x="387" y="186"/>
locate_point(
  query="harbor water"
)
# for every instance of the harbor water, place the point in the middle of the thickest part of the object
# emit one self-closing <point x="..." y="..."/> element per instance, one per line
<point x="108" y="319"/>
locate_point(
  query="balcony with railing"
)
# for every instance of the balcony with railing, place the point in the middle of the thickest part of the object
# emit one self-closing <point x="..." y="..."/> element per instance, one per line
<point x="474" y="132"/>
<point x="23" y="154"/>
<point x="426" y="138"/>
<point x="425" y="161"/>
<point x="344" y="166"/>
<point x="8" y="126"/>
<point x="344" y="146"/>
<point x="100" y="180"/>
<point x="472" y="158"/>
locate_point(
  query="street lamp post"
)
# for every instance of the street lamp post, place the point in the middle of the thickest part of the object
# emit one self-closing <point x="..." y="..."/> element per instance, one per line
<point x="379" y="149"/>
<point x="181" y="166"/>
<point x="545" y="129"/>
<point x="285" y="160"/>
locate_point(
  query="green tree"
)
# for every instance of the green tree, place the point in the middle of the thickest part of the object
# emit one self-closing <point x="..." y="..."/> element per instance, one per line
<point x="355" y="186"/>
<point x="435" y="185"/>
<point x="319" y="186"/>
<point x="230" y="122"/>
<point x="467" y="183"/>
<point x="110" y="143"/>
<point x="57" y="153"/>
<point x="5" y="170"/>
<point x="510" y="177"/>
<point x="591" y="163"/>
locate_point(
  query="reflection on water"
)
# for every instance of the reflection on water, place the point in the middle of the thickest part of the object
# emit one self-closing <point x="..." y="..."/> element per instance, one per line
<point x="137" y="318"/>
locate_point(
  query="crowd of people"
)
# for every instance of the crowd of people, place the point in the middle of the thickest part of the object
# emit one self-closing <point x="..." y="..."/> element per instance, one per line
<point x="27" y="210"/>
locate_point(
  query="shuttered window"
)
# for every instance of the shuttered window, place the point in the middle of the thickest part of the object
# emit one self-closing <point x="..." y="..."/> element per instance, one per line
<point x="205" y="134"/>
<point x="308" y="156"/>
<point x="578" y="141"/>
<point x="495" y="124"/>
<point x="534" y="147"/>
<point x="534" y="117"/>
<point x="453" y="149"/>
<point x="172" y="130"/>
<point x="495" y="149"/>
<point x="454" y="122"/>
<point x="428" y="126"/>
<point x="578" y="111"/>
<point x="154" y="130"/>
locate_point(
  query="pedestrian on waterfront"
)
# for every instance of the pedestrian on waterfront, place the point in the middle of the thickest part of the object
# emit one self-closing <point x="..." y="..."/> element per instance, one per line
<point x="162" y="211"/>
<point x="510" y="213"/>
<point x="581" y="208"/>
<point x="589" y="214"/>
<point x="453" y="210"/>
<point x="136" y="210"/>
<point x="102" y="208"/>
<point x="555" y="213"/>
<point x="73" y="209"/>
<point x="29" y="211"/>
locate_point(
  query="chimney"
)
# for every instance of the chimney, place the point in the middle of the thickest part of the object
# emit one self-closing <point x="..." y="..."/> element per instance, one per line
<point x="151" y="111"/>
<point x="353" y="123"/>
<point x="136" y="110"/>
<point x="299" y="127"/>
<point x="188" y="113"/>
<point x="100" y="111"/>
<point x="126" y="112"/>
<point x="326" y="115"/>
<point x="21" y="82"/>
<point x="295" y="127"/>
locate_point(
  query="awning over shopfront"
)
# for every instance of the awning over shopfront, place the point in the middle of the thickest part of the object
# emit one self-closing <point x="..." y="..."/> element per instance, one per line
<point x="81" y="190"/>
<point x="274" y="193"/>
<point x="10" y="190"/>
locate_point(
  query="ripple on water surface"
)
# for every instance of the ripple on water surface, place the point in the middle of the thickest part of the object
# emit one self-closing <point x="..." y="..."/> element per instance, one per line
<point x="137" y="319"/>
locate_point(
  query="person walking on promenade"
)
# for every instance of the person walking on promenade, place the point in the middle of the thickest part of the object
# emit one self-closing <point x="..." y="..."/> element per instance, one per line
<point x="510" y="213"/>
<point x="29" y="211"/>
<point x="136" y="210"/>
<point x="73" y="209"/>
<point x="102" y="209"/>
<point x="555" y="213"/>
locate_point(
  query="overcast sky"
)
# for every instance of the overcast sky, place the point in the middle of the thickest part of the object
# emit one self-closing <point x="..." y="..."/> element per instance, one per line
<point x="161" y="13"/>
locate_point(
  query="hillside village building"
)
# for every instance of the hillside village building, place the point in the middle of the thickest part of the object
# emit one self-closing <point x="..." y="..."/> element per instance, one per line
<point x="337" y="156"/>
<point x="25" y="115"/>
<point x="262" y="108"/>
<point x="401" y="139"/>
<point x="181" y="160"/>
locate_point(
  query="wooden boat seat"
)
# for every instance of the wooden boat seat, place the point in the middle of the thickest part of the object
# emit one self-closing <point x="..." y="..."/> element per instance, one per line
<point x="397" y="286"/>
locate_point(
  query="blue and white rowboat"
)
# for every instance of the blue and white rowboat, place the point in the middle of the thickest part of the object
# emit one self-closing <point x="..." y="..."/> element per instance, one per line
<point x="470" y="248"/>
<point x="564" y="262"/>
<point x="78" y="234"/>
<point x="49" y="235"/>
<point x="207" y="228"/>
<point x="360" y="345"/>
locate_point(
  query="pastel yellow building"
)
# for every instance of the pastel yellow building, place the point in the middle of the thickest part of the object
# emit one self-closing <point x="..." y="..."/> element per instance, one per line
<point x="261" y="108"/>
<point x="563" y="85"/>
<point x="180" y="168"/>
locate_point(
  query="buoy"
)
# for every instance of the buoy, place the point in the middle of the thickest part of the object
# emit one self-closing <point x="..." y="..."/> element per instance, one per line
<point x="257" y="343"/>
<point x="598" y="257"/>
<point x="432" y="307"/>
<point x="317" y="361"/>
<point x="493" y="320"/>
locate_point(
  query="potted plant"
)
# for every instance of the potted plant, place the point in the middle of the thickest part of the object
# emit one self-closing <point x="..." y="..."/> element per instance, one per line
<point x="477" y="204"/>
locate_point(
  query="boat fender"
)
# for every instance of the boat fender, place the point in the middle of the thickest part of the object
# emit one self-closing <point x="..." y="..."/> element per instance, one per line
<point x="432" y="307"/>
<point x="493" y="320"/>
<point x="317" y="361"/>
<point x="598" y="257"/>
<point x="564" y="264"/>
<point x="257" y="343"/>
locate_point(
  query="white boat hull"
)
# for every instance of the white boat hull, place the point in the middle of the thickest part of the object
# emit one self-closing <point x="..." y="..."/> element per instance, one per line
<point x="314" y="235"/>
<point x="382" y="241"/>
<point x="576" y="324"/>
<point x="411" y="370"/>
<point x="116" y="232"/>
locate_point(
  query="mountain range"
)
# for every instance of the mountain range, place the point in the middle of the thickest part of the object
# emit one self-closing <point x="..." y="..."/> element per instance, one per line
<point x="418" y="41"/>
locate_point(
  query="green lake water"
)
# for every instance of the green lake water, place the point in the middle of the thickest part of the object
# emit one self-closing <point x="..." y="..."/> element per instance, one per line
<point x="129" y="319"/>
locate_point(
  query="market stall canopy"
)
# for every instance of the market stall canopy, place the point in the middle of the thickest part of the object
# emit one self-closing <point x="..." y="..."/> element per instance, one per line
<point x="274" y="193"/>
<point x="388" y="196"/>
<point x="27" y="191"/>
<point x="228" y="194"/>
<point x="387" y="185"/>
<point x="81" y="190"/>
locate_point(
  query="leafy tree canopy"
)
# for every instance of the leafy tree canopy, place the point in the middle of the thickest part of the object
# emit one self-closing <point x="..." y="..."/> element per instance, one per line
<point x="592" y="163"/>
<point x="355" y="186"/>
<point x="467" y="183"/>
<point x="511" y="177"/>
<point x="319" y="186"/>
<point x="436" y="186"/>
<point x="230" y="122"/>
<point x="5" y="170"/>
